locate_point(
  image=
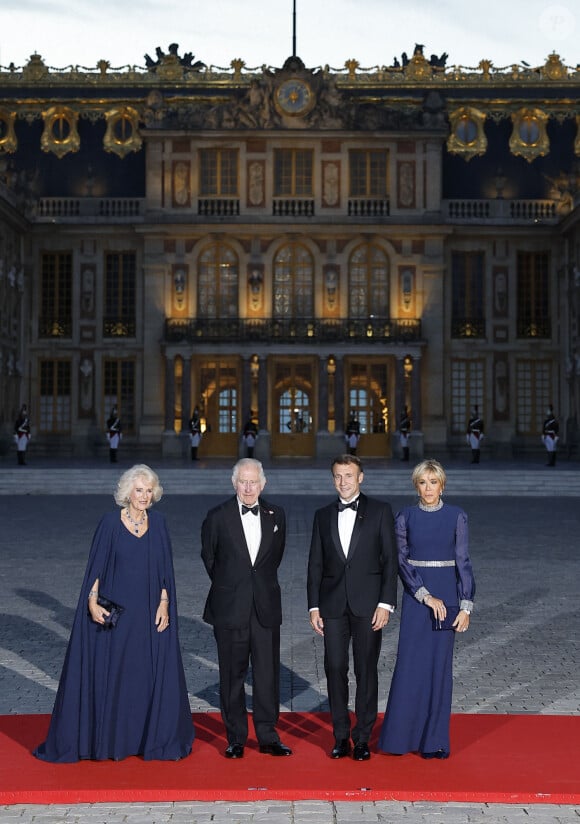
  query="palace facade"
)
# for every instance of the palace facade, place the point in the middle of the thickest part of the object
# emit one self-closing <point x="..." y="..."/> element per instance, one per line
<point x="296" y="245"/>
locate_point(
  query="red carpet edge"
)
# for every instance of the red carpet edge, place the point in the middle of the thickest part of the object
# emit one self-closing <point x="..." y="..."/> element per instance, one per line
<point x="519" y="759"/>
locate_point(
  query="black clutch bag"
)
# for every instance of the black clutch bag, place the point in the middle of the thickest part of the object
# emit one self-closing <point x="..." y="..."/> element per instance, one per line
<point x="113" y="609"/>
<point x="447" y="622"/>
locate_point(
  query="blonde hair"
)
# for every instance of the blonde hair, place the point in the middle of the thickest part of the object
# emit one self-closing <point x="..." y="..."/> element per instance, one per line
<point x="432" y="467"/>
<point x="127" y="481"/>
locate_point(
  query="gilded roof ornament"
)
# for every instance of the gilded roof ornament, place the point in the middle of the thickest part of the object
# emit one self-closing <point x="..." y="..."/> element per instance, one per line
<point x="171" y="66"/>
<point x="554" y="69"/>
<point x="352" y="66"/>
<point x="35" y="69"/>
<point x="418" y="67"/>
<point x="103" y="66"/>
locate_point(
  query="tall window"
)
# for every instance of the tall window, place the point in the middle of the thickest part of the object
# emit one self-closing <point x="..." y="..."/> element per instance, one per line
<point x="218" y="172"/>
<point x="217" y="281"/>
<point x="467" y="295"/>
<point x="533" y="295"/>
<point x="368" y="275"/>
<point x="367" y="396"/>
<point x="56" y="295"/>
<point x="120" y="285"/>
<point x="218" y="384"/>
<point x="293" y="383"/>
<point x="119" y="391"/>
<point x="55" y="396"/>
<point x="467" y="391"/>
<point x="293" y="282"/>
<point x="293" y="172"/>
<point x="533" y="395"/>
<point x="368" y="173"/>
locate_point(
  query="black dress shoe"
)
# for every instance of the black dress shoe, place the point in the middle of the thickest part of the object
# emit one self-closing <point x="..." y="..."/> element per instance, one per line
<point x="275" y="748"/>
<point x="439" y="754"/>
<point x="341" y="748"/>
<point x="361" y="751"/>
<point x="234" y="751"/>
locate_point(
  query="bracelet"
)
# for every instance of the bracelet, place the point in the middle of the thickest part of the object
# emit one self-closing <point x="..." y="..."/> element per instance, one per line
<point x="93" y="593"/>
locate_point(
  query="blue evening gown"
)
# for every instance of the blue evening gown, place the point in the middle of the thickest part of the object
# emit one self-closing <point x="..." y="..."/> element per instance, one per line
<point x="122" y="691"/>
<point x="419" y="705"/>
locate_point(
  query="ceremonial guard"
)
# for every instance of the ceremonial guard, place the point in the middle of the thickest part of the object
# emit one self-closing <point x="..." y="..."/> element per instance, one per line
<point x="404" y="433"/>
<point x="475" y="434"/>
<point x="250" y="435"/>
<point x="22" y="434"/>
<point x="352" y="434"/>
<point x="114" y="433"/>
<point x="195" y="432"/>
<point x="550" y="436"/>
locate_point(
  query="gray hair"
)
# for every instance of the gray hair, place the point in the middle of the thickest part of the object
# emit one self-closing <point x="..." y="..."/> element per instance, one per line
<point x="248" y="462"/>
<point x="127" y="481"/>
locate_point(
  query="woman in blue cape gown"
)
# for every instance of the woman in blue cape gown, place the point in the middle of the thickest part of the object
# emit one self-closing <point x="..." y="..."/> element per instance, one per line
<point x="122" y="689"/>
<point x="438" y="584"/>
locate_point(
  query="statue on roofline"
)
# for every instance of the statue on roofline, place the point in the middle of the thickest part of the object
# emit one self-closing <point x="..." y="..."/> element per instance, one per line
<point x="186" y="61"/>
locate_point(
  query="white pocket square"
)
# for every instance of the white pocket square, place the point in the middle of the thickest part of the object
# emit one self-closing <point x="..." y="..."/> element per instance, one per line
<point x="275" y="527"/>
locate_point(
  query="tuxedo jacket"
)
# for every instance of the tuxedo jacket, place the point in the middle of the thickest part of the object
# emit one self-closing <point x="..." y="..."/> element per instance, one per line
<point x="364" y="578"/>
<point x="236" y="585"/>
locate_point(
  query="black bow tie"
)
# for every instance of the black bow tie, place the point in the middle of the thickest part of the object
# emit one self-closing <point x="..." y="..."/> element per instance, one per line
<point x="351" y="505"/>
<point x="253" y="509"/>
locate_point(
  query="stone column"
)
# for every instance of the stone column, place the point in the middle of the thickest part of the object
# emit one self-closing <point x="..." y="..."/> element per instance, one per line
<point x="339" y="394"/>
<point x="416" y="394"/>
<point x="263" y="394"/>
<point x="322" y="394"/>
<point x="246" y="397"/>
<point x="186" y="405"/>
<point x="264" y="443"/>
<point x="169" y="394"/>
<point x="400" y="398"/>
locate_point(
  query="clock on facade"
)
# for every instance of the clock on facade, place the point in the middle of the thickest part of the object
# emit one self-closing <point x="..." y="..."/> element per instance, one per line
<point x="294" y="97"/>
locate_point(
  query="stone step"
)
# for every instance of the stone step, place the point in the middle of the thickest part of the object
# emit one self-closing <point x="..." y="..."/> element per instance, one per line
<point x="527" y="481"/>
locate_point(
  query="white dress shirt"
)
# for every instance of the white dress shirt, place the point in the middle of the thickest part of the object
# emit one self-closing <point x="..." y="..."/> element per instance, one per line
<point x="346" y="520"/>
<point x="252" y="527"/>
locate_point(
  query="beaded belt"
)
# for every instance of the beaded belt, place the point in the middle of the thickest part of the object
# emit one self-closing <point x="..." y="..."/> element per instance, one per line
<point x="432" y="563"/>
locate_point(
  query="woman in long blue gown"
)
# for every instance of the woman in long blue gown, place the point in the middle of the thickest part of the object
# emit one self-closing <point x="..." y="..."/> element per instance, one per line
<point x="122" y="689"/>
<point x="436" y="572"/>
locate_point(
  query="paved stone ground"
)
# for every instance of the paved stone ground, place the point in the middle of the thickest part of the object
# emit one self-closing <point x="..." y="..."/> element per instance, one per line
<point x="520" y="655"/>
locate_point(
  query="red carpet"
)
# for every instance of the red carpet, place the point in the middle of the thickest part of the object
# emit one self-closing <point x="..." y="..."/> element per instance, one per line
<point x="495" y="758"/>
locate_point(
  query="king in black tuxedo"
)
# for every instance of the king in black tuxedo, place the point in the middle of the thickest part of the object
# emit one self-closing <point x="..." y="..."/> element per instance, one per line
<point x="352" y="589"/>
<point x="243" y="543"/>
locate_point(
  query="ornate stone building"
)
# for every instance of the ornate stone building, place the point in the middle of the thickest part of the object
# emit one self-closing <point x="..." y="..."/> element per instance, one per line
<point x="292" y="244"/>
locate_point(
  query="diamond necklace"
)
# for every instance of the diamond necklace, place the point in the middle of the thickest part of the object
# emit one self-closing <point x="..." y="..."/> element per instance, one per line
<point x="136" y="524"/>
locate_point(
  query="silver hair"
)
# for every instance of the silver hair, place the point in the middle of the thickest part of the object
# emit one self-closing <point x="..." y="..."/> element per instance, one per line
<point x="127" y="481"/>
<point x="248" y="462"/>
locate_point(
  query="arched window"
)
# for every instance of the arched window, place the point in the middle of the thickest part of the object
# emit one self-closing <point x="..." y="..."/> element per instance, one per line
<point x="368" y="282"/>
<point x="217" y="282"/>
<point x="294" y="411"/>
<point x="293" y="282"/>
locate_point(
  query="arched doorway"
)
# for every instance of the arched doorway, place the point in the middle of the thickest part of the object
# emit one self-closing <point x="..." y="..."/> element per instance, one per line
<point x="293" y="424"/>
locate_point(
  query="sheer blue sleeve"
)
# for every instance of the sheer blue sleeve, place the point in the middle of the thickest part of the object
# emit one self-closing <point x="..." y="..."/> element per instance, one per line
<point x="409" y="574"/>
<point x="465" y="579"/>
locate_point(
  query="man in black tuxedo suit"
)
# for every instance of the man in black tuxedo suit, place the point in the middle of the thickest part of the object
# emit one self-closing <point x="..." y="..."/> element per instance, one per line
<point x="243" y="542"/>
<point x="352" y="590"/>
